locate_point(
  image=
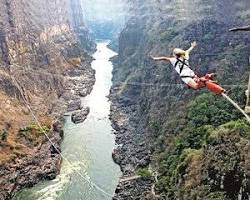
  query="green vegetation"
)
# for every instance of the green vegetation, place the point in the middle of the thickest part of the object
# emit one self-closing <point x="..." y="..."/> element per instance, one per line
<point x="36" y="128"/>
<point x="143" y="172"/>
<point x="33" y="133"/>
<point x="3" y="135"/>
<point x="244" y="14"/>
<point x="208" y="109"/>
<point x="168" y="34"/>
<point x="209" y="119"/>
<point x="155" y="127"/>
<point x="216" y="196"/>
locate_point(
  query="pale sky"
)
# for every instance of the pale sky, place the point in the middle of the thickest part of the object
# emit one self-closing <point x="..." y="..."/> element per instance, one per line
<point x="103" y="10"/>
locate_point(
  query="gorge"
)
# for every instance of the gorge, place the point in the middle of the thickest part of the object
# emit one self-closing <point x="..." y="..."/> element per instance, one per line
<point x="170" y="142"/>
<point x="88" y="146"/>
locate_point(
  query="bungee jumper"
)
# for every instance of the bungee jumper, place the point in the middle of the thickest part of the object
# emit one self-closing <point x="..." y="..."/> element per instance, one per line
<point x="179" y="60"/>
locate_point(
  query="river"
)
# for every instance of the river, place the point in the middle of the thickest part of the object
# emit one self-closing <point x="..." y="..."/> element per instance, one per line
<point x="88" y="146"/>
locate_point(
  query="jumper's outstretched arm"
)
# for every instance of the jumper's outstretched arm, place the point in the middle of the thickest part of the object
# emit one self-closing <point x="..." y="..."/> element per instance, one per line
<point x="161" y="58"/>
<point x="243" y="28"/>
<point x="193" y="45"/>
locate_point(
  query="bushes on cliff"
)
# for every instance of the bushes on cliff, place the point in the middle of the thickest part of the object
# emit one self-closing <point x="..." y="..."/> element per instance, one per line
<point x="3" y="135"/>
<point x="32" y="133"/>
<point x="168" y="35"/>
<point x="174" y="161"/>
<point x="198" y="154"/>
<point x="202" y="156"/>
<point x="226" y="160"/>
<point x="208" y="109"/>
<point x="216" y="196"/>
<point x="143" y="172"/>
<point x="181" y="157"/>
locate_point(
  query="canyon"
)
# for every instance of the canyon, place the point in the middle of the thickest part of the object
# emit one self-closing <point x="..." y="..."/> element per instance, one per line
<point x="171" y="142"/>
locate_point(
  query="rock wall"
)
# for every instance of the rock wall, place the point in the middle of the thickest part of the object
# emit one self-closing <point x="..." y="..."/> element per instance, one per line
<point x="44" y="59"/>
<point x="182" y="137"/>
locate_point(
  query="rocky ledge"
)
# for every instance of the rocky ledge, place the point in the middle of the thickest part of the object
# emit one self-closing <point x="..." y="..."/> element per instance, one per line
<point x="41" y="163"/>
<point x="132" y="150"/>
<point x="134" y="189"/>
<point x="42" y="160"/>
<point x="80" y="116"/>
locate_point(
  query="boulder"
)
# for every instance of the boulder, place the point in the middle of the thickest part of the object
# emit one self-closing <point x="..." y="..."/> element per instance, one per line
<point x="80" y="116"/>
<point x="74" y="105"/>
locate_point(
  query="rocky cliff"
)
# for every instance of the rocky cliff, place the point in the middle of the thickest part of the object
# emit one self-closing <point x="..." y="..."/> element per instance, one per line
<point x="44" y="62"/>
<point x="184" y="144"/>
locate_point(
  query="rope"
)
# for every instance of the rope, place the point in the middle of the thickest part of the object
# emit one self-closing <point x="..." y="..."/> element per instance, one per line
<point x="165" y="85"/>
<point x="91" y="183"/>
<point x="236" y="106"/>
<point x="134" y="83"/>
<point x="120" y="84"/>
<point x="131" y="83"/>
<point x="124" y="83"/>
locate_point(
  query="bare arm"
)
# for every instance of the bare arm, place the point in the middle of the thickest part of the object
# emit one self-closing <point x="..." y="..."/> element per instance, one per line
<point x="193" y="45"/>
<point x="161" y="58"/>
<point x="244" y="28"/>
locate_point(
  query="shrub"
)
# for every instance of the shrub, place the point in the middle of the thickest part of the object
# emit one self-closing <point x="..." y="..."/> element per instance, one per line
<point x="155" y="126"/>
<point x="244" y="14"/>
<point x="208" y="109"/>
<point x="238" y="126"/>
<point x="168" y="35"/>
<point x="33" y="133"/>
<point x="216" y="196"/>
<point x="4" y="135"/>
<point x="143" y="172"/>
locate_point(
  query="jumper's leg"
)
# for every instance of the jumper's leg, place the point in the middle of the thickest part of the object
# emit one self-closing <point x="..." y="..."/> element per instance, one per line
<point x="193" y="84"/>
<point x="210" y="76"/>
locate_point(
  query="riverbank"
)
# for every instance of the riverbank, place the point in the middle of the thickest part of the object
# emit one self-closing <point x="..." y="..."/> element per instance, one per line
<point x="42" y="161"/>
<point x="132" y="151"/>
<point x="88" y="145"/>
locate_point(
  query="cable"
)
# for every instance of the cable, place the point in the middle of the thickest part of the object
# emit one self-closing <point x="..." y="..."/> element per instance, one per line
<point x="236" y="106"/>
<point x="54" y="146"/>
<point x="119" y="84"/>
<point x="165" y="85"/>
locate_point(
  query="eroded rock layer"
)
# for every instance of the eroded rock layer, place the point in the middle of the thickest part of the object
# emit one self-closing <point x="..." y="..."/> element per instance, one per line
<point x="45" y="63"/>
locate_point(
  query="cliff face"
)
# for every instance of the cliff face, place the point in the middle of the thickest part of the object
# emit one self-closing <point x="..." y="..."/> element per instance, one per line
<point x="194" y="143"/>
<point x="44" y="58"/>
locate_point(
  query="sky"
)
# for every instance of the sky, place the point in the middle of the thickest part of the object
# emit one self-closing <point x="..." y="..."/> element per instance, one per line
<point x="104" y="10"/>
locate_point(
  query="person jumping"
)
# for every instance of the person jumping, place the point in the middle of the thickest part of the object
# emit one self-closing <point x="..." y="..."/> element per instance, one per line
<point x="180" y="62"/>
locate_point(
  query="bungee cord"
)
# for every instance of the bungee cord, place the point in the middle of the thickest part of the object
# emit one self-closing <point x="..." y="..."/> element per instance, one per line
<point x="116" y="84"/>
<point x="91" y="183"/>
